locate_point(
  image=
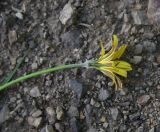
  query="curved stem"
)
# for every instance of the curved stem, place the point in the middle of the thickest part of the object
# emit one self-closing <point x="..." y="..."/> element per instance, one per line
<point x="38" y="73"/>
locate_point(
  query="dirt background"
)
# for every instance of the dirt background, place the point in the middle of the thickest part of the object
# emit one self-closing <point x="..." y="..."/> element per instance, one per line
<point x="79" y="100"/>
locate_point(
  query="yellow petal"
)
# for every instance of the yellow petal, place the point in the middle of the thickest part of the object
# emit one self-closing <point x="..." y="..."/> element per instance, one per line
<point x="119" y="52"/>
<point x="118" y="71"/>
<point x="115" y="41"/>
<point x="115" y="79"/>
<point x="115" y="54"/>
<point x="123" y="65"/>
<point x="102" y="49"/>
<point x="111" y="52"/>
<point x="119" y="83"/>
<point x="110" y="75"/>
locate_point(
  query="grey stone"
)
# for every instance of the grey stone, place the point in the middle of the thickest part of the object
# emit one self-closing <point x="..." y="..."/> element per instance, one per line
<point x="73" y="124"/>
<point x="158" y="59"/>
<point x="59" y="127"/>
<point x="114" y="113"/>
<point x="134" y="116"/>
<point x="71" y="39"/>
<point x="1" y="72"/>
<point x="142" y="100"/>
<point x="66" y="13"/>
<point x="73" y="111"/>
<point x="91" y="129"/>
<point x="87" y="112"/>
<point x="47" y="128"/>
<point x="37" y="113"/>
<point x="77" y="87"/>
<point x="59" y="112"/>
<point x="4" y="114"/>
<point x="136" y="59"/>
<point x="148" y="35"/>
<point x="19" y="15"/>
<point x="149" y="46"/>
<point x="34" y="66"/>
<point x="12" y="36"/>
<point x="94" y="103"/>
<point x="138" y="49"/>
<point x="153" y="12"/>
<point x="34" y="92"/>
<point x="34" y="121"/>
<point x="152" y="130"/>
<point x="140" y="17"/>
<point x="103" y="94"/>
<point x="105" y="125"/>
<point x="51" y="115"/>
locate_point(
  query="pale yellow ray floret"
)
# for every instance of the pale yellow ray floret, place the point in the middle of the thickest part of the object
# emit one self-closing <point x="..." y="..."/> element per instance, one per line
<point x="109" y="64"/>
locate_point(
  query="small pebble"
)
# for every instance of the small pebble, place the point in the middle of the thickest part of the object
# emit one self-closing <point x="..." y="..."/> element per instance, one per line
<point x="158" y="59"/>
<point x="37" y="113"/>
<point x="34" y="121"/>
<point x="136" y="59"/>
<point x="59" y="112"/>
<point x="34" y="92"/>
<point x="12" y="36"/>
<point x="142" y="100"/>
<point x="34" y="66"/>
<point x="19" y="15"/>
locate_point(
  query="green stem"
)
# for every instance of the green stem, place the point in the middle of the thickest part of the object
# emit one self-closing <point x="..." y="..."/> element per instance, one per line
<point x="38" y="73"/>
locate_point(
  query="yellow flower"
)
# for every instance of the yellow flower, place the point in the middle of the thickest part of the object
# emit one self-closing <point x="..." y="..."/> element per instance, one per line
<point x="109" y="64"/>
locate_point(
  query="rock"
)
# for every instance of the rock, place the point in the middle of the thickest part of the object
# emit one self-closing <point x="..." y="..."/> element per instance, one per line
<point x="1" y="72"/>
<point x="114" y="113"/>
<point x="66" y="13"/>
<point x="103" y="94"/>
<point x="103" y="119"/>
<point x="37" y="113"/>
<point x="87" y="113"/>
<point x="34" y="66"/>
<point x="12" y="36"/>
<point x="140" y="17"/>
<point x="158" y="59"/>
<point x="51" y="115"/>
<point x="91" y="129"/>
<point x="105" y="125"/>
<point x="138" y="49"/>
<point x="59" y="112"/>
<point x="13" y="61"/>
<point x="59" y="127"/>
<point x="4" y="114"/>
<point x="148" y="35"/>
<point x="149" y="46"/>
<point x="47" y="128"/>
<point x="34" y="92"/>
<point x="134" y="116"/>
<point x="34" y="121"/>
<point x="142" y="100"/>
<point x="157" y="128"/>
<point x="73" y="125"/>
<point x="152" y="130"/>
<point x="72" y="39"/>
<point x="94" y="103"/>
<point x="73" y="112"/>
<point x="77" y="87"/>
<point x="136" y="59"/>
<point x="153" y="11"/>
<point x="1" y="20"/>
<point x="19" y="15"/>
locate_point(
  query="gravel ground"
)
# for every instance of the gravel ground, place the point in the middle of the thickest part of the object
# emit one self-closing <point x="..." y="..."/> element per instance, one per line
<point x="79" y="100"/>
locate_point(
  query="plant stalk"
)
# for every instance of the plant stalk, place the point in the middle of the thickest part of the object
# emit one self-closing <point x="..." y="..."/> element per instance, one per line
<point x="39" y="73"/>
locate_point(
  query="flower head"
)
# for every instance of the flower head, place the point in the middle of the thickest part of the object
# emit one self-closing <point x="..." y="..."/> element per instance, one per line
<point x="109" y="64"/>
